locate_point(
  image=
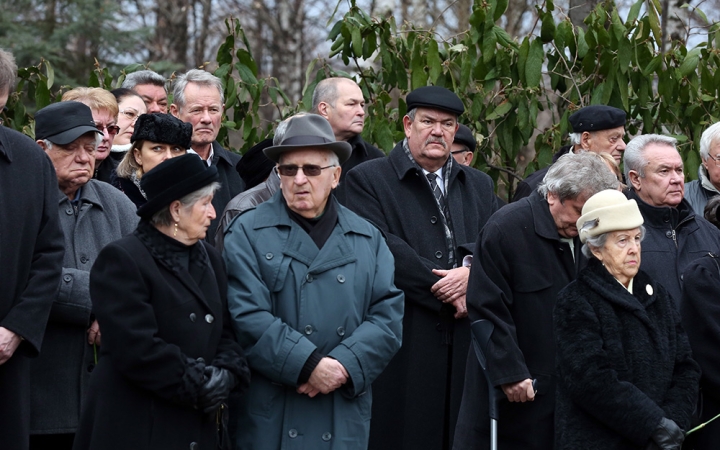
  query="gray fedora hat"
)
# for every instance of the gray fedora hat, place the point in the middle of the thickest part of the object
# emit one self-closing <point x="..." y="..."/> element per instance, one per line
<point x="309" y="131"/>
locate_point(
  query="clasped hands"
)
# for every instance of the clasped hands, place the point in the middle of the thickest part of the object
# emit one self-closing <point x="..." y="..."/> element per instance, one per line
<point x="327" y="376"/>
<point x="451" y="288"/>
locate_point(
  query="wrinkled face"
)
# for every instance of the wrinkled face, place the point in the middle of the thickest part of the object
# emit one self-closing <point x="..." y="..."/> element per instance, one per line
<point x="430" y="136"/>
<point x="461" y="154"/>
<point x="4" y="95"/>
<point x="621" y="254"/>
<point x="664" y="180"/>
<point x="203" y="109"/>
<point x="308" y="195"/>
<point x="105" y="121"/>
<point x="74" y="163"/>
<point x="195" y="220"/>
<point x="566" y="213"/>
<point x="155" y="97"/>
<point x="153" y="153"/>
<point x="130" y="109"/>
<point x="347" y="115"/>
<point x="712" y="164"/>
<point x="608" y="141"/>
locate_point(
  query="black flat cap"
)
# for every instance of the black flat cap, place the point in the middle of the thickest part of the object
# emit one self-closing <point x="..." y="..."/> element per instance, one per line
<point x="309" y="131"/>
<point x="62" y="123"/>
<point x="254" y="167"/>
<point x="163" y="129"/>
<point x="435" y="97"/>
<point x="597" y="117"/>
<point x="172" y="180"/>
<point x="465" y="137"/>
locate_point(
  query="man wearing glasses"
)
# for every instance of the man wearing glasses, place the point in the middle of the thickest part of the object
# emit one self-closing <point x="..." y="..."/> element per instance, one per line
<point x="104" y="109"/>
<point x="699" y="191"/>
<point x="430" y="208"/>
<point x="312" y="300"/>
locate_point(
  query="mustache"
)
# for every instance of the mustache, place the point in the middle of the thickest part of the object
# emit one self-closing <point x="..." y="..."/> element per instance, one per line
<point x="436" y="140"/>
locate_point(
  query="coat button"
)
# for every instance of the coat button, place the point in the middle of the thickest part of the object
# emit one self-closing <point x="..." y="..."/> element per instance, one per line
<point x="90" y="368"/>
<point x="192" y="317"/>
<point x="326" y="436"/>
<point x="341" y="278"/>
<point x="668" y="234"/>
<point x="69" y="211"/>
<point x="268" y="256"/>
<point x="438" y="254"/>
<point x="83" y="259"/>
<point x="209" y="318"/>
<point x="433" y="219"/>
<point x="309" y="278"/>
<point x="341" y="331"/>
<point x="193" y="446"/>
<point x="308" y="329"/>
<point x="438" y="327"/>
<point x="201" y="360"/>
<point x="67" y="278"/>
<point x="292" y="433"/>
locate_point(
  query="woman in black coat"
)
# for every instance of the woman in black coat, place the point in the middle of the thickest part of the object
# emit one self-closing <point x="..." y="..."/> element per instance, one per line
<point x="626" y="379"/>
<point x="169" y="359"/>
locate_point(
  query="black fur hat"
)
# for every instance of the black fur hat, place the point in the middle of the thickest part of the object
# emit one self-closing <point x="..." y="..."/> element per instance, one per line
<point x="163" y="129"/>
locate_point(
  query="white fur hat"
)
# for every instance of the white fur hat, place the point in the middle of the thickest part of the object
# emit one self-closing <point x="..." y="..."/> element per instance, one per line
<point x="612" y="211"/>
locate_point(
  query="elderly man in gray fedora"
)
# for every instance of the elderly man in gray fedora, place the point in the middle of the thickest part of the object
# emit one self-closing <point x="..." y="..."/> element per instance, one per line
<point x="312" y="296"/>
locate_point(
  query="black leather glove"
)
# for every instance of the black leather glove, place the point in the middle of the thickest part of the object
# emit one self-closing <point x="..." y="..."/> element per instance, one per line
<point x="668" y="435"/>
<point x="216" y="389"/>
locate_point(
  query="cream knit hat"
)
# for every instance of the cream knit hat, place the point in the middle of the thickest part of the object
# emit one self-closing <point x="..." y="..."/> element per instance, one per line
<point x="613" y="212"/>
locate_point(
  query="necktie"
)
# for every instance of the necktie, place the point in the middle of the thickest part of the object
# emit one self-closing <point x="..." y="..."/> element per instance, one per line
<point x="432" y="178"/>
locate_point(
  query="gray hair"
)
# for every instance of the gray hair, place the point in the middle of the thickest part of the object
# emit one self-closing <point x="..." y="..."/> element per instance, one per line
<point x="98" y="139"/>
<point x="575" y="138"/>
<point x="8" y="71"/>
<point x="163" y="217"/>
<point x="143" y="77"/>
<point x="574" y="175"/>
<point x="282" y="127"/>
<point x="634" y="158"/>
<point x="709" y="136"/>
<point x="411" y="113"/>
<point x="325" y="91"/>
<point x="196" y="76"/>
<point x="598" y="241"/>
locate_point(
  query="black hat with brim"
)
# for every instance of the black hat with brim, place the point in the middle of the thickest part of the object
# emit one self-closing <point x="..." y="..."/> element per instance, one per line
<point x="309" y="131"/>
<point x="596" y="118"/>
<point x="61" y="123"/>
<point x="465" y="137"/>
<point x="254" y="167"/>
<point x="172" y="180"/>
<point x="435" y="97"/>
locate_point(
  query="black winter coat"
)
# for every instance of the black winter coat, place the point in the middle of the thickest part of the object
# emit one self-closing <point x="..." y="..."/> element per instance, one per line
<point x="159" y="328"/>
<point x="31" y="256"/>
<point x="361" y="152"/>
<point x="700" y="311"/>
<point x="230" y="184"/>
<point x="623" y="362"/>
<point x="416" y="398"/>
<point x="519" y="267"/>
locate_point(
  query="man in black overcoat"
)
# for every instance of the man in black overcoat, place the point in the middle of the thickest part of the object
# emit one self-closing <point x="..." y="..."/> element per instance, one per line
<point x="429" y="207"/>
<point x="525" y="255"/>
<point x="31" y="255"/>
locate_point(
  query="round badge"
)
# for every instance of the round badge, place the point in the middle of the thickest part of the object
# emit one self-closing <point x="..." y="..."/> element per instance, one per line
<point x="649" y="289"/>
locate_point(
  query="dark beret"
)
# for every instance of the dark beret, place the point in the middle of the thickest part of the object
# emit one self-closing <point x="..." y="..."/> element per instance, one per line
<point x="597" y="117"/>
<point x="254" y="167"/>
<point x="435" y="97"/>
<point x="163" y="129"/>
<point x="465" y="137"/>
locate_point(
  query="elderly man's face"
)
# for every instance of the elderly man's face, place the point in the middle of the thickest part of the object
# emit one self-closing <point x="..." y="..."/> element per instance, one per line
<point x="712" y="164"/>
<point x="203" y="109"/>
<point x="664" y="180"/>
<point x="461" y="153"/>
<point x="308" y="195"/>
<point x="430" y="136"/>
<point x="347" y="115"/>
<point x="155" y="97"/>
<point x="74" y="163"/>
<point x="4" y="95"/>
<point x="566" y="213"/>
<point x="608" y="141"/>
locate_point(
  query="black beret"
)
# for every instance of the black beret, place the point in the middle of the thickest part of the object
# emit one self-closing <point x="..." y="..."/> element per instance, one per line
<point x="435" y="97"/>
<point x="597" y="117"/>
<point x="254" y="167"/>
<point x="163" y="129"/>
<point x="465" y="137"/>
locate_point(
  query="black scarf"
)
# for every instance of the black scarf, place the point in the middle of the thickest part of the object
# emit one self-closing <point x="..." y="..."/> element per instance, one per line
<point x="319" y="228"/>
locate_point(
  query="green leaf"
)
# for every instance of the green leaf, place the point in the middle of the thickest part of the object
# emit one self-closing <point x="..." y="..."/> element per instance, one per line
<point x="50" y="73"/>
<point x="356" y="41"/>
<point x="500" y="8"/>
<point x="502" y="109"/>
<point x="418" y="77"/>
<point x="547" y="30"/>
<point x="523" y="54"/>
<point x="582" y="45"/>
<point x="533" y="67"/>
<point x="433" y="61"/>
<point x="690" y="62"/>
<point x="335" y="30"/>
<point x="652" y="66"/>
<point x="489" y="45"/>
<point x="504" y="38"/>
<point x="634" y="12"/>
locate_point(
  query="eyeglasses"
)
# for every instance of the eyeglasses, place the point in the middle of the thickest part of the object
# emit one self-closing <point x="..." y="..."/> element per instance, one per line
<point x="131" y="114"/>
<point x="310" y="170"/>
<point x="716" y="159"/>
<point x="455" y="152"/>
<point x="111" y="129"/>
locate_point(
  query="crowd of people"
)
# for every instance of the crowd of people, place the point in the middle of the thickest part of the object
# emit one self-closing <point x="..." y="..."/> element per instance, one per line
<point x="162" y="292"/>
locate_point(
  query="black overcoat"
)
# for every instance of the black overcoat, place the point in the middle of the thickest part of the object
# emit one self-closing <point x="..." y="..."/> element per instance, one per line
<point x="361" y="152"/>
<point x="519" y="267"/>
<point x="159" y="330"/>
<point x="416" y="399"/>
<point x="623" y="363"/>
<point x="230" y="184"/>
<point x="31" y="255"/>
<point x="700" y="311"/>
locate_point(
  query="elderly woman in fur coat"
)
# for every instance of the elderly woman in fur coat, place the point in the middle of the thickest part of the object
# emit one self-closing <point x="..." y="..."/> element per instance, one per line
<point x="626" y="378"/>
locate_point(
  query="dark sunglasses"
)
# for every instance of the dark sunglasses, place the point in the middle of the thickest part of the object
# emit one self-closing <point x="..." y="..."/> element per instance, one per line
<point x="111" y="129"/>
<point x="310" y="170"/>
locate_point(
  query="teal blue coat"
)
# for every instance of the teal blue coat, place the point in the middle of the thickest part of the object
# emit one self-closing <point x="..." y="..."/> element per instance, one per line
<point x="286" y="299"/>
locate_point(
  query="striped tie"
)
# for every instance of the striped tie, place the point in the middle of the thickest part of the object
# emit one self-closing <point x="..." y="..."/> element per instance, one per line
<point x="432" y="178"/>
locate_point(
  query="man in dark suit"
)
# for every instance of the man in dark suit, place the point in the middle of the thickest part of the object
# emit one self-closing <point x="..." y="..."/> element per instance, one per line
<point x="429" y="207"/>
<point x="198" y="99"/>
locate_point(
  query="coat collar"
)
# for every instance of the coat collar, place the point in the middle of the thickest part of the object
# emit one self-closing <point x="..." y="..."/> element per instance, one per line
<point x="219" y="153"/>
<point x="543" y="220"/>
<point x="5" y="148"/>
<point x="89" y="194"/>
<point x="404" y="167"/>
<point x="660" y="216"/>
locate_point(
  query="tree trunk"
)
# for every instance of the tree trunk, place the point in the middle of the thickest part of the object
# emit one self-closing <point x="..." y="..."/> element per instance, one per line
<point x="170" y="42"/>
<point x="674" y="19"/>
<point x="579" y="10"/>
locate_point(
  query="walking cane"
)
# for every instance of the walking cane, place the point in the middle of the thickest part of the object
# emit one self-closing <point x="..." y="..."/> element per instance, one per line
<point x="481" y="332"/>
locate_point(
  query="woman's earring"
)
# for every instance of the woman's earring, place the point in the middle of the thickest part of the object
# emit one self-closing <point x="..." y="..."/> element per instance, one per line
<point x="175" y="232"/>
